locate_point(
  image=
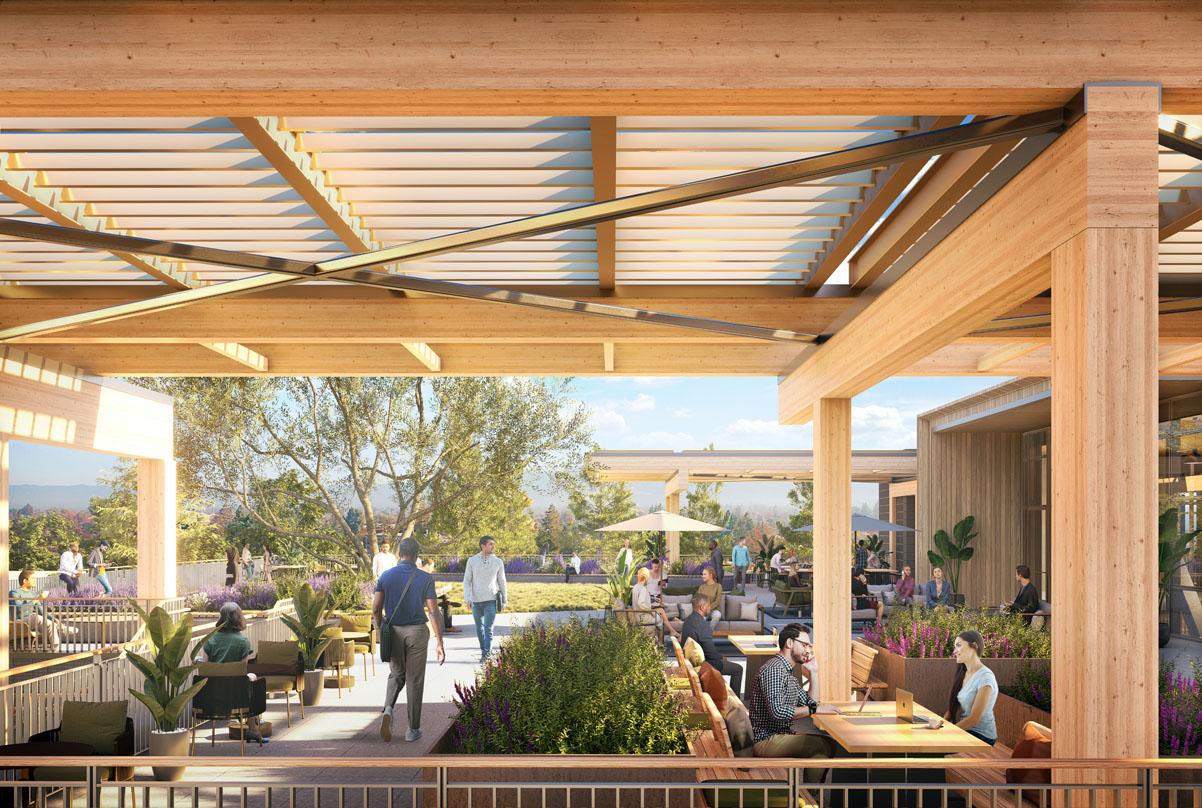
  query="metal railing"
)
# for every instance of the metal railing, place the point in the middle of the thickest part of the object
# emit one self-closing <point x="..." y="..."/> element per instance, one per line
<point x="604" y="782"/>
<point x="104" y="674"/>
<point x="71" y="625"/>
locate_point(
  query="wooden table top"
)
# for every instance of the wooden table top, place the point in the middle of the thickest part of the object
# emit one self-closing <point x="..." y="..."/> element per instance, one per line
<point x="877" y="731"/>
<point x="754" y="644"/>
<point x="355" y="635"/>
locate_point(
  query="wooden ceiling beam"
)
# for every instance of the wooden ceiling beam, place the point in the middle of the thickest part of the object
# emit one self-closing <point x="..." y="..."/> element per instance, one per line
<point x="240" y="354"/>
<point x="1181" y="214"/>
<point x="1174" y="358"/>
<point x="876" y="200"/>
<point x="996" y="357"/>
<point x="607" y="356"/>
<point x="425" y="354"/>
<point x="604" y="131"/>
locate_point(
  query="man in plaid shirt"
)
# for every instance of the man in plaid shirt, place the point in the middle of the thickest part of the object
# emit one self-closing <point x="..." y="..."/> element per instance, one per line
<point x="777" y="700"/>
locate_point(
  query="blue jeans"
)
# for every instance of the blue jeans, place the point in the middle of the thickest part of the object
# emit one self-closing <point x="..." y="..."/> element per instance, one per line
<point x="104" y="582"/>
<point x="484" y="614"/>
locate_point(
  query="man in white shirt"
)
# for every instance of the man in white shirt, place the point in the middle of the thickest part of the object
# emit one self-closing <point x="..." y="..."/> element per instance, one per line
<point x="382" y="561"/>
<point x="775" y="562"/>
<point x="70" y="568"/>
<point x="484" y="591"/>
<point x="625" y="555"/>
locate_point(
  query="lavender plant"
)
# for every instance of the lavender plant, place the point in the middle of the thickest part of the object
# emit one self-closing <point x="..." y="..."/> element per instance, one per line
<point x="1181" y="711"/>
<point x="919" y="634"/>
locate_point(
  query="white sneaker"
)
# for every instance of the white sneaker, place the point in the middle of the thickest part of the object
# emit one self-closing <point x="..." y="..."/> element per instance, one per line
<point x="412" y="735"/>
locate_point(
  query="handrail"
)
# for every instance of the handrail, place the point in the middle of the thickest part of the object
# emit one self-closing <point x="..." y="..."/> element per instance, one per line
<point x="500" y="762"/>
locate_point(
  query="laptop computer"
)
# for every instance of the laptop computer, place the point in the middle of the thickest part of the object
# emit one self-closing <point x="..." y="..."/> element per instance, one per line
<point x="905" y="708"/>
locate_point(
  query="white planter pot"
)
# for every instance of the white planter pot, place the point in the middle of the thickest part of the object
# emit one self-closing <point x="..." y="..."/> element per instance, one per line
<point x="169" y="744"/>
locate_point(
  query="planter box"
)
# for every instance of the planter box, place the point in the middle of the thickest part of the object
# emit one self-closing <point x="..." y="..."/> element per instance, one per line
<point x="493" y="796"/>
<point x="930" y="680"/>
<point x="1011" y="714"/>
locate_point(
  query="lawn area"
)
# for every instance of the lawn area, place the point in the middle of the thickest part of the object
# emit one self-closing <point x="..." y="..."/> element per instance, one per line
<point x="530" y="597"/>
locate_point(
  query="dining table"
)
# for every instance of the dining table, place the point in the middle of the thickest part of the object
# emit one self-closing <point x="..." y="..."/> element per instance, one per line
<point x="876" y="731"/>
<point x="757" y="649"/>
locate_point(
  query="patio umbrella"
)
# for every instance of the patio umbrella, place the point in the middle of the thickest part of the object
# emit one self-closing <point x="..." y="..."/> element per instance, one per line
<point x="661" y="521"/>
<point x="867" y="524"/>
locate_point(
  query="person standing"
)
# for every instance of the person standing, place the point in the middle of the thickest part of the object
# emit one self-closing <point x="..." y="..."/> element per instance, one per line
<point x="267" y="561"/>
<point x="776" y="700"/>
<point x="716" y="561"/>
<point x="383" y="561"/>
<point x="248" y="563"/>
<point x="861" y="558"/>
<point x="401" y="593"/>
<point x="484" y="591"/>
<point x="698" y="628"/>
<point x="974" y="691"/>
<point x="70" y="568"/>
<point x="96" y="566"/>
<point x="231" y="566"/>
<point x="625" y="556"/>
<point x="740" y="559"/>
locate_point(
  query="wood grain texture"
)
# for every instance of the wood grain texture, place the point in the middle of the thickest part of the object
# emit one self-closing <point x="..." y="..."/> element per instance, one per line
<point x="476" y="57"/>
<point x="832" y="546"/>
<point x="1104" y="372"/>
<point x="4" y="562"/>
<point x="156" y="528"/>
<point x="977" y="474"/>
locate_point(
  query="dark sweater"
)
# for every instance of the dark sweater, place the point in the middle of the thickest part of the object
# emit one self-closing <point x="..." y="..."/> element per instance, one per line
<point x="702" y="633"/>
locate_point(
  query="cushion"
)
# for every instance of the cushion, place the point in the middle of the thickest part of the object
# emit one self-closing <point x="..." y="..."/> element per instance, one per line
<point x="1034" y="731"/>
<point x="738" y="723"/>
<point x="677" y="606"/>
<point x="277" y="653"/>
<point x="1031" y="748"/>
<point x="206" y="669"/>
<point x="96" y="723"/>
<point x="280" y="684"/>
<point x="740" y="607"/>
<point x="879" y="590"/>
<point x="693" y="653"/>
<point x="714" y="684"/>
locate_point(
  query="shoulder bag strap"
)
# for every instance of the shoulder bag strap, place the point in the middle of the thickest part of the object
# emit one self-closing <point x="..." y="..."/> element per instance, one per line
<point x="400" y="600"/>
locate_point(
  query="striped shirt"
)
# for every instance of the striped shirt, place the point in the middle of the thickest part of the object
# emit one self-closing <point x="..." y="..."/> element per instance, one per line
<point x="775" y="694"/>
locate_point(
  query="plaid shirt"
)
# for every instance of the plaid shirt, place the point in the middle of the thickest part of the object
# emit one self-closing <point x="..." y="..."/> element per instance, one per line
<point x="775" y="694"/>
<point x="861" y="558"/>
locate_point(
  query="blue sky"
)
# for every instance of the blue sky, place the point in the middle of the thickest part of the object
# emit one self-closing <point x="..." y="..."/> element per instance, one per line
<point x="655" y="413"/>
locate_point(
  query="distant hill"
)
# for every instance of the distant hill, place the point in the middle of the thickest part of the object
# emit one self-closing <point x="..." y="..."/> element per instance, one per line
<point x="53" y="497"/>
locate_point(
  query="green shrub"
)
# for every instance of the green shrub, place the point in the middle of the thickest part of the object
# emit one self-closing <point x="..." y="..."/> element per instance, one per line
<point x="918" y="633"/>
<point x="573" y="690"/>
<point x="1032" y="685"/>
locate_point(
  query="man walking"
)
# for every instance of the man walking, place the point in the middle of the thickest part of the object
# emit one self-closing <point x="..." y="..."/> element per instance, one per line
<point x="716" y="561"/>
<point x="70" y="567"/>
<point x="740" y="559"/>
<point x="400" y="595"/>
<point x="383" y="561"/>
<point x="96" y="566"/>
<point x="484" y="591"/>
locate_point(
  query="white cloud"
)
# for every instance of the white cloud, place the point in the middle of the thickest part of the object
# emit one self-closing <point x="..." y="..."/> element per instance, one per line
<point x="875" y="426"/>
<point x="607" y="422"/>
<point x="665" y="441"/>
<point x="760" y="433"/>
<point x="682" y="413"/>
<point x="640" y="403"/>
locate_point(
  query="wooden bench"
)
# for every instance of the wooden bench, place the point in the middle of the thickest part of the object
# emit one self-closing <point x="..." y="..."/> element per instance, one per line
<point x="862" y="657"/>
<point x="716" y="744"/>
<point x="1010" y="796"/>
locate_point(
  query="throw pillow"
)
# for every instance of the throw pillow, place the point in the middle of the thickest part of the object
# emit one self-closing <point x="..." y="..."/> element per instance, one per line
<point x="672" y="610"/>
<point x="713" y="683"/>
<point x="749" y="611"/>
<point x="685" y="609"/>
<point x="1034" y="731"/>
<point x="693" y="653"/>
<point x="736" y="607"/>
<point x="889" y="595"/>
<point x="207" y="669"/>
<point x="738" y="723"/>
<point x="96" y="723"/>
<point x="1029" y="748"/>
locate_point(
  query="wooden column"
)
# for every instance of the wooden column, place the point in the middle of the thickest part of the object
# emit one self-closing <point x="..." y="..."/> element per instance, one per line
<point x="156" y="528"/>
<point x="1104" y="445"/>
<point x="832" y="546"/>
<point x="4" y="526"/>
<point x="677" y="483"/>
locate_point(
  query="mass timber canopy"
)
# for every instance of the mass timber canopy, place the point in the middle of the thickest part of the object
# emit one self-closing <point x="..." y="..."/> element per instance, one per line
<point x="710" y="465"/>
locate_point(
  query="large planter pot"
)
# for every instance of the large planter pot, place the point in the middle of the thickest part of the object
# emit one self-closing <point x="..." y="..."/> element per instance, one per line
<point x="313" y="687"/>
<point x="1011" y="715"/>
<point x="930" y="680"/>
<point x="169" y="744"/>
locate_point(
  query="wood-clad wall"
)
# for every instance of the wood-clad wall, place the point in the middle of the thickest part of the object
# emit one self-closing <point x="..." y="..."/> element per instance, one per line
<point x="977" y="473"/>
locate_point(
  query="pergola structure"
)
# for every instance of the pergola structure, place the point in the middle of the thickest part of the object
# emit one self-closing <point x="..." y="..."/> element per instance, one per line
<point x="676" y="470"/>
<point x="968" y="159"/>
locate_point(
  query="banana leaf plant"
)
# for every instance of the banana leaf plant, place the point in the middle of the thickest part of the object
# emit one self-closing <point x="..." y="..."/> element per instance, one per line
<point x="618" y="582"/>
<point x="309" y="625"/>
<point x="953" y="550"/>
<point x="168" y="667"/>
<point x="1174" y="548"/>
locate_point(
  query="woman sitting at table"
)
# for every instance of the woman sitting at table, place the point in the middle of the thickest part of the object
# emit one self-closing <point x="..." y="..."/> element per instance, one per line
<point x="795" y="575"/>
<point x="229" y="644"/>
<point x="974" y="690"/>
<point x="938" y="592"/>
<point x="712" y="590"/>
<point x="640" y="598"/>
<point x="861" y="597"/>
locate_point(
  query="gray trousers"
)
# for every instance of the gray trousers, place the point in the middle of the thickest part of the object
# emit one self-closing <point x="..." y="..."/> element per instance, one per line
<point x="408" y="667"/>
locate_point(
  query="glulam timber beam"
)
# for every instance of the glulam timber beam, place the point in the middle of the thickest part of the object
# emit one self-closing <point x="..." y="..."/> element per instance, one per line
<point x="240" y="354"/>
<point x="604" y="132"/>
<point x="607" y="356"/>
<point x="31" y="189"/>
<point x="997" y="357"/>
<point x="549" y="59"/>
<point x="888" y="186"/>
<point x="995" y="260"/>
<point x="1182" y="213"/>
<point x="1177" y="357"/>
<point x="425" y="354"/>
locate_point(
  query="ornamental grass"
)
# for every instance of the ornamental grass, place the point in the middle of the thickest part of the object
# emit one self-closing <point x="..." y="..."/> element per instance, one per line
<point x="1033" y="686"/>
<point x="921" y="634"/>
<point x="572" y="690"/>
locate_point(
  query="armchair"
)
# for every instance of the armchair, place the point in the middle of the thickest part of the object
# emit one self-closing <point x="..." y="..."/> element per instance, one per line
<point x="230" y="694"/>
<point x="279" y="665"/>
<point x="105" y="726"/>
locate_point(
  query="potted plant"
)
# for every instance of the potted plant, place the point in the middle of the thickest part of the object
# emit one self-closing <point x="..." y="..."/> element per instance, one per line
<point x="1174" y="548"/>
<point x="311" y="630"/>
<point x="167" y="691"/>
<point x="618" y="582"/>
<point x="953" y="550"/>
<point x="761" y="564"/>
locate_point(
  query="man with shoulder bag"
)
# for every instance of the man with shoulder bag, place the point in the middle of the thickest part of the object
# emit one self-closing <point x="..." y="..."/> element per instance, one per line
<point x="404" y="625"/>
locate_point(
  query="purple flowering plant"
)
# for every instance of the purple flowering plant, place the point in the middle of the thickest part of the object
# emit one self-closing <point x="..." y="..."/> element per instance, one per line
<point x="1180" y="719"/>
<point x="920" y="634"/>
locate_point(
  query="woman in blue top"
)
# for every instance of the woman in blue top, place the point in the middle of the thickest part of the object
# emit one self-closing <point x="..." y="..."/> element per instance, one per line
<point x="974" y="691"/>
<point x="938" y="592"/>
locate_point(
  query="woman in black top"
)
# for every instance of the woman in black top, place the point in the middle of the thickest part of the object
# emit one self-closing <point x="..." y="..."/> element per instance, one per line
<point x="231" y="567"/>
<point x="861" y="598"/>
